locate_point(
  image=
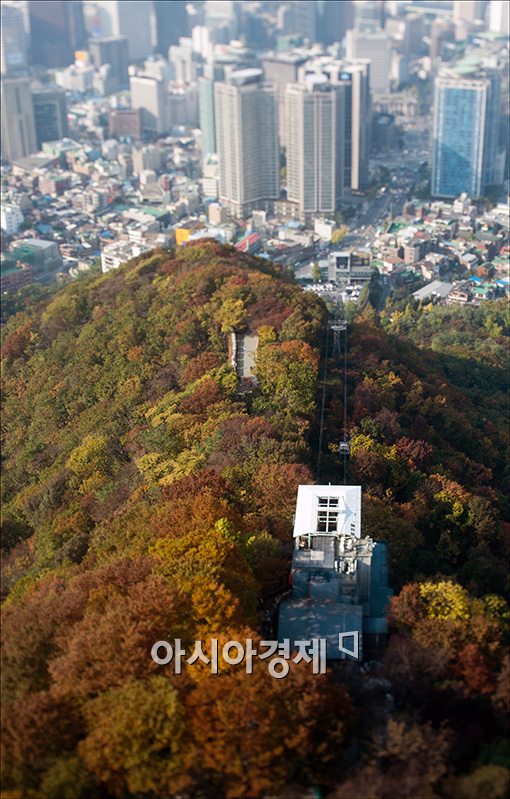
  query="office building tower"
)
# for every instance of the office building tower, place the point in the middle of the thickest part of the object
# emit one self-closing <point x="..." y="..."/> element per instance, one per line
<point x="13" y="39"/>
<point x="112" y="50"/>
<point x="442" y="33"/>
<point x="305" y="19"/>
<point x="207" y="115"/>
<point x="301" y="18"/>
<point x="356" y="79"/>
<point x="315" y="145"/>
<point x="18" y="128"/>
<point x="369" y="15"/>
<point x="376" y="47"/>
<point x="129" y="19"/>
<point x="468" y="10"/>
<point x="414" y="32"/>
<point x="465" y="132"/>
<point x="282" y="69"/>
<point x="57" y="30"/>
<point x="223" y="15"/>
<point x="171" y="23"/>
<point x="184" y="61"/>
<point x="50" y="113"/>
<point x="335" y="18"/>
<point x="499" y="17"/>
<point x="247" y="142"/>
<point x="151" y="96"/>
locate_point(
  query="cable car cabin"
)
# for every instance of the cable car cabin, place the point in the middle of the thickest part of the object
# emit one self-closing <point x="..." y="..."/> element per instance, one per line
<point x="345" y="448"/>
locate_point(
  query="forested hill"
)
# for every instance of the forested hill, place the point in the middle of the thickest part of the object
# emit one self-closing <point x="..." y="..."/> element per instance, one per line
<point x="146" y="498"/>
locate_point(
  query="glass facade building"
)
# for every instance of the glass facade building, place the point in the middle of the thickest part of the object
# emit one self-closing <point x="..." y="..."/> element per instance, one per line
<point x="465" y="129"/>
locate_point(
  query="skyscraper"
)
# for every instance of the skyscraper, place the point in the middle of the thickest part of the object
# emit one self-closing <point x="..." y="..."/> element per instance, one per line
<point x="315" y="145"/>
<point x="335" y="18"/>
<point x="18" y="128"/>
<point x="305" y="19"/>
<point x="207" y="115"/>
<point x="111" y="50"/>
<point x="150" y="94"/>
<point x="50" y="112"/>
<point x="130" y="19"/>
<point x="356" y="79"/>
<point x="369" y="15"/>
<point x="376" y="47"/>
<point x="247" y="142"/>
<point x="282" y="69"/>
<point x="465" y="131"/>
<point x="171" y="23"/>
<point x="13" y="38"/>
<point x="57" y="29"/>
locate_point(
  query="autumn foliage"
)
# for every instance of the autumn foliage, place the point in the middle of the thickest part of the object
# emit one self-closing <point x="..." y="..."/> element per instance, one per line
<point x="147" y="498"/>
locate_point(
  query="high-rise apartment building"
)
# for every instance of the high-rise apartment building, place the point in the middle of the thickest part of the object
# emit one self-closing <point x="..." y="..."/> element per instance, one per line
<point x="465" y="132"/>
<point x="247" y="142"/>
<point x="315" y="145"/>
<point x="13" y="38"/>
<point x="376" y="47"/>
<point x="57" y="30"/>
<point x="130" y="19"/>
<point x="282" y="69"/>
<point x="150" y="94"/>
<point x="50" y="112"/>
<point x="207" y="115"/>
<point x="18" y="127"/>
<point x="112" y="50"/>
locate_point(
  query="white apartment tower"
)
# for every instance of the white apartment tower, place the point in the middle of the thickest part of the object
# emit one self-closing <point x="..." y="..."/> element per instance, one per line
<point x="315" y="145"/>
<point x="247" y="142"/>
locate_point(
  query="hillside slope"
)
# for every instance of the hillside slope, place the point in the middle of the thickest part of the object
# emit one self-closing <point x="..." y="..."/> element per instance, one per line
<point x="145" y="498"/>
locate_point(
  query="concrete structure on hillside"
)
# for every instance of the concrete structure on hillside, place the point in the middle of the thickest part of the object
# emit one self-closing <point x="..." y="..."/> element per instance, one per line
<point x="339" y="576"/>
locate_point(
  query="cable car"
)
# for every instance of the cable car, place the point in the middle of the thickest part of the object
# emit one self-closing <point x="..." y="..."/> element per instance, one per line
<point x="345" y="448"/>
